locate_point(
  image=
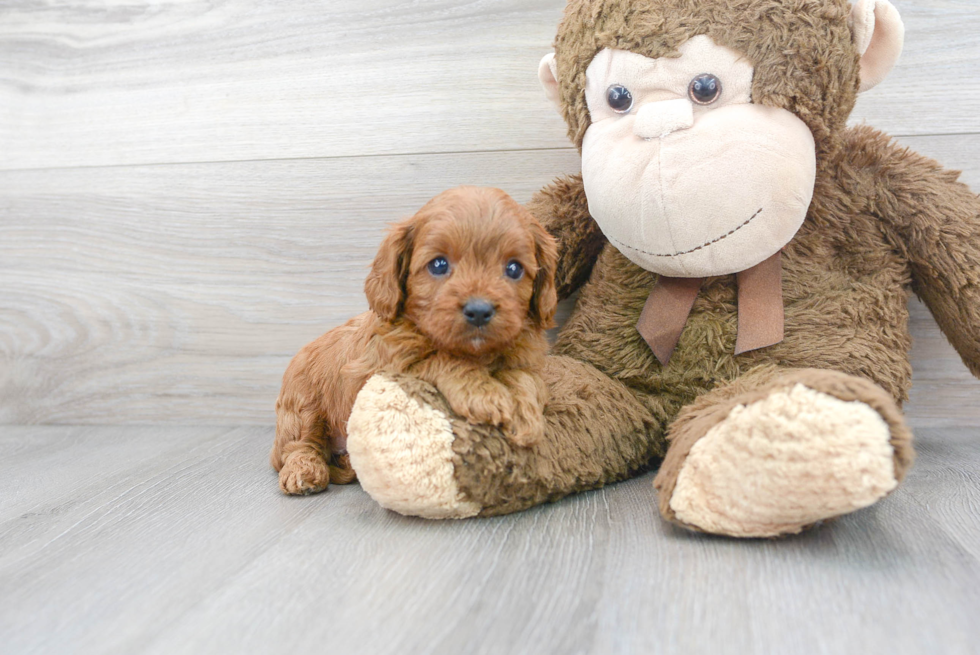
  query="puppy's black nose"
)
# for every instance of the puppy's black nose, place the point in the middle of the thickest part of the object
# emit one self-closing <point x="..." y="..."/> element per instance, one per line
<point x="478" y="312"/>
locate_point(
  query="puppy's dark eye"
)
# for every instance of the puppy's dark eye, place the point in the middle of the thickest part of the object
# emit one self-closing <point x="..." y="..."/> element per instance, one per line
<point x="439" y="266"/>
<point x="514" y="270"/>
<point x="619" y="98"/>
<point x="705" y="89"/>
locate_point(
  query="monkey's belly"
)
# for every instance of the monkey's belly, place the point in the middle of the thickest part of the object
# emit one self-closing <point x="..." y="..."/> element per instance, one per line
<point x="831" y="322"/>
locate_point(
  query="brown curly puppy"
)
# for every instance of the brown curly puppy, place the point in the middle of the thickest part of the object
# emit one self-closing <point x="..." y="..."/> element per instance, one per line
<point x="460" y="296"/>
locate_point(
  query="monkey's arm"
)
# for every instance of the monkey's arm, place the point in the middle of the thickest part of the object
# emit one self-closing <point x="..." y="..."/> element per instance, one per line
<point x="564" y="211"/>
<point x="935" y="221"/>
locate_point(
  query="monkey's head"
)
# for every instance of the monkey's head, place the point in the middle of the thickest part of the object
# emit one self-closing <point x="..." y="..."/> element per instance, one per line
<point x="701" y="122"/>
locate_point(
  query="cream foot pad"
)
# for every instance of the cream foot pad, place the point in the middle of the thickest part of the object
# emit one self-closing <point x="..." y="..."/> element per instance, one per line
<point x="782" y="463"/>
<point x="402" y="452"/>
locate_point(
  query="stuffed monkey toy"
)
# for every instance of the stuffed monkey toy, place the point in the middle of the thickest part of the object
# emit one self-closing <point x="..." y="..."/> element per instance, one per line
<point x="744" y="262"/>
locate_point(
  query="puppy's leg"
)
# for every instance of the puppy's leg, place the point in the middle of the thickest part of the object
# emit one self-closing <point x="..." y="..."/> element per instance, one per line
<point x="468" y="388"/>
<point x="530" y="395"/>
<point x="299" y="452"/>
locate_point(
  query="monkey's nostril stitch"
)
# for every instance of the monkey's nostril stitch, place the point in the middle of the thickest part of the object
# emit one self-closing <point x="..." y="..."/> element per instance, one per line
<point x="478" y="312"/>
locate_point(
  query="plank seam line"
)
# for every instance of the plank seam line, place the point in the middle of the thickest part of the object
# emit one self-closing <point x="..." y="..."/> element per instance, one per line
<point x="284" y="159"/>
<point x="376" y="155"/>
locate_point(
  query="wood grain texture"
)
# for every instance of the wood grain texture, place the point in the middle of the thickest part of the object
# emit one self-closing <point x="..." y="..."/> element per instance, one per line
<point x="191" y="81"/>
<point x="164" y="540"/>
<point x="123" y="82"/>
<point x="178" y="294"/>
<point x="191" y="190"/>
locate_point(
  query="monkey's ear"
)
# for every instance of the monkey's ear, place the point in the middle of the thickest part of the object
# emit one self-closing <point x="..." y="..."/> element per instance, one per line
<point x="385" y="284"/>
<point x="544" y="298"/>
<point x="548" y="74"/>
<point x="878" y="35"/>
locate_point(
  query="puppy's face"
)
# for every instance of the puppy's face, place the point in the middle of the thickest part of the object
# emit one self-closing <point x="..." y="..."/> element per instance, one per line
<point x="477" y="269"/>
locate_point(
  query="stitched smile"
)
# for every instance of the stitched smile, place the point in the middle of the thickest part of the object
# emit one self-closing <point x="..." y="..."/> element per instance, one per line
<point x="685" y="252"/>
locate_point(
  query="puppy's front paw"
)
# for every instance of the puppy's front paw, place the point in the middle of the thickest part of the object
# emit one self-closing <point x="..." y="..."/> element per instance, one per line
<point x="490" y="408"/>
<point x="526" y="428"/>
<point x="489" y="404"/>
<point x="304" y="472"/>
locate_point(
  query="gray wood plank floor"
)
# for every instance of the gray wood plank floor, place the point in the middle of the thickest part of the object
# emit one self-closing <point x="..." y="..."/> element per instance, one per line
<point x="170" y="539"/>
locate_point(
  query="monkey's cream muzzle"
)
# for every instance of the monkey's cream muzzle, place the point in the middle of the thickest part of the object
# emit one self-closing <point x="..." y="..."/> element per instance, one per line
<point x="690" y="191"/>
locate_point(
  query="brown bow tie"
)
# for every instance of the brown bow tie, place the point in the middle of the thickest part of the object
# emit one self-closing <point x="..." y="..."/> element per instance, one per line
<point x="760" y="309"/>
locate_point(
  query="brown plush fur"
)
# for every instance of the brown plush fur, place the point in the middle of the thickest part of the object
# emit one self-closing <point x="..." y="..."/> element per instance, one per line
<point x="801" y="49"/>
<point x="488" y="374"/>
<point x="883" y="223"/>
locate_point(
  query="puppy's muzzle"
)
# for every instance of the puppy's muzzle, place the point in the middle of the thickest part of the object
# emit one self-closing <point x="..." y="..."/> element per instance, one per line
<point x="478" y="312"/>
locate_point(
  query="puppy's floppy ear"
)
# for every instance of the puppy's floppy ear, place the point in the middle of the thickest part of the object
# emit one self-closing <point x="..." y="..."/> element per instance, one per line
<point x="544" y="299"/>
<point x="385" y="286"/>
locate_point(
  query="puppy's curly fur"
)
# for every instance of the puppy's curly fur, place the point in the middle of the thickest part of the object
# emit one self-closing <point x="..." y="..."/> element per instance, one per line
<point x="418" y="324"/>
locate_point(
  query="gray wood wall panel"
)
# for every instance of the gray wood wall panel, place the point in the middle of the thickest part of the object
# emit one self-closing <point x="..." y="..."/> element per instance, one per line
<point x="178" y="293"/>
<point x="84" y="84"/>
<point x="146" y="276"/>
<point x="188" y="81"/>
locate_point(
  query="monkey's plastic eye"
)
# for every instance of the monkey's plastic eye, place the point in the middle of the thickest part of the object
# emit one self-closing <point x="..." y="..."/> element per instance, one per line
<point x="439" y="266"/>
<point x="705" y="89"/>
<point x="619" y="98"/>
<point x="514" y="270"/>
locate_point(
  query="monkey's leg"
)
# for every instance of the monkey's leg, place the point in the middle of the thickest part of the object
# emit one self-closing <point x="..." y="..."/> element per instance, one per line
<point x="776" y="451"/>
<point x="414" y="456"/>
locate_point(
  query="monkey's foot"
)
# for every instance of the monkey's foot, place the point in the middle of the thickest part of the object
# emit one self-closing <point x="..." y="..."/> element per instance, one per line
<point x="772" y="460"/>
<point x="402" y="450"/>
